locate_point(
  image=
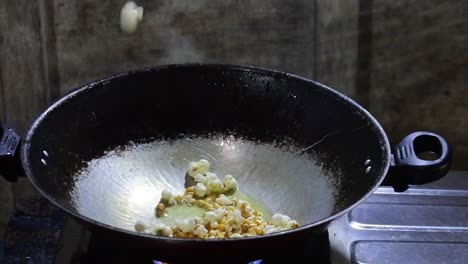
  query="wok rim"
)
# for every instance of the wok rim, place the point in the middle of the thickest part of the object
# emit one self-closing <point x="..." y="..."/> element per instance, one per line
<point x="246" y="68"/>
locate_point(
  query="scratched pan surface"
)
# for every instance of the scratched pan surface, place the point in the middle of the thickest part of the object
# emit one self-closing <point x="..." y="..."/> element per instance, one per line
<point x="122" y="186"/>
<point x="104" y="152"/>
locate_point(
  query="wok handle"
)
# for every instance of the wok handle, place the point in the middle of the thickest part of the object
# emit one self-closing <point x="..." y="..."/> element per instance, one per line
<point x="421" y="157"/>
<point x="10" y="161"/>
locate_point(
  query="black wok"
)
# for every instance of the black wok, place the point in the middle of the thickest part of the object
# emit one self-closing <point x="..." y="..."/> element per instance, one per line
<point x="104" y="152"/>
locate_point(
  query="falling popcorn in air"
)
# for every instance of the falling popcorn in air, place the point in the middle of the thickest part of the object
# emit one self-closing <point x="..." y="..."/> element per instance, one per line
<point x="130" y="16"/>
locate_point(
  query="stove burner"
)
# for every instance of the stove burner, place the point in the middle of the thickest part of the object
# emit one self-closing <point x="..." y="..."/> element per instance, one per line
<point x="252" y="262"/>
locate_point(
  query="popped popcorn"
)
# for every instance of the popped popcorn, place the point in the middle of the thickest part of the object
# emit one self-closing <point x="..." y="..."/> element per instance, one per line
<point x="211" y="177"/>
<point x="200" y="178"/>
<point x="200" y="190"/>
<point x="229" y="183"/>
<point x="202" y="167"/>
<point x="280" y="220"/>
<point x="162" y="229"/>
<point x="223" y="200"/>
<point x="226" y="216"/>
<point x="200" y="231"/>
<point x="186" y="225"/>
<point x="215" y="186"/>
<point x="166" y="195"/>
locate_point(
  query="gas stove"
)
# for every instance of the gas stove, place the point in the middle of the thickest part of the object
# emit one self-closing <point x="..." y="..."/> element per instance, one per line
<point x="425" y="224"/>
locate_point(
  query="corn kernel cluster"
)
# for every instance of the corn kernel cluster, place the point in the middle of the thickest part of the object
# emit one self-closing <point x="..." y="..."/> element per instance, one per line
<point x="225" y="217"/>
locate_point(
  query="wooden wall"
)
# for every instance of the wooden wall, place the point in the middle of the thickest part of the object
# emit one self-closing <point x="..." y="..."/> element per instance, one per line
<point x="277" y="34"/>
<point x="23" y="92"/>
<point x="419" y="69"/>
<point x="405" y="61"/>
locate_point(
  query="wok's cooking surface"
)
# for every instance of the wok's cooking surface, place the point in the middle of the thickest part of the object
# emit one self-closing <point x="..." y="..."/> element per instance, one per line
<point x="425" y="225"/>
<point x="126" y="184"/>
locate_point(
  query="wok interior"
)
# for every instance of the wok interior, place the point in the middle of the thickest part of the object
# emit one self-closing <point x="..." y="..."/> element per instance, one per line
<point x="122" y="186"/>
<point x="108" y="150"/>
